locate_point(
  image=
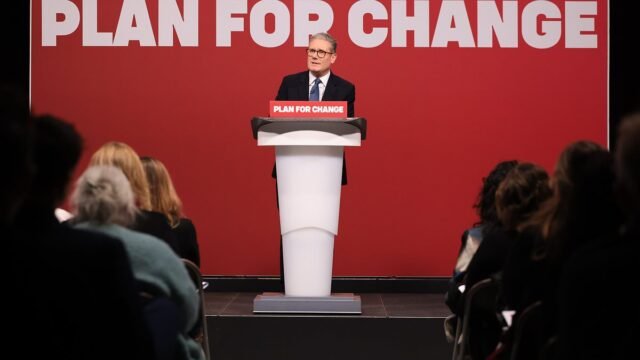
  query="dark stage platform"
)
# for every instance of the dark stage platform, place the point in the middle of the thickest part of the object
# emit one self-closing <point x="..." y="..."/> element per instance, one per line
<point x="391" y="326"/>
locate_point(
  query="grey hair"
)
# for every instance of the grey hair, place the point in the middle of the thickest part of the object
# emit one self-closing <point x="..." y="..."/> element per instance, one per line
<point x="327" y="37"/>
<point x="103" y="195"/>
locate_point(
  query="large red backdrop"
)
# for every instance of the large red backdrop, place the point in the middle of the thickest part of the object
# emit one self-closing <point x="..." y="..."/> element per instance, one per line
<point x="441" y="111"/>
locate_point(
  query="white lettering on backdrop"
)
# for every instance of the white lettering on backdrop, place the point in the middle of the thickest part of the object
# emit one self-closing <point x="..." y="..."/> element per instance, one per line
<point x="371" y="23"/>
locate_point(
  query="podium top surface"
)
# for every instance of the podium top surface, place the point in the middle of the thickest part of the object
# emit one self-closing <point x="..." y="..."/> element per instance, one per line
<point x="357" y="122"/>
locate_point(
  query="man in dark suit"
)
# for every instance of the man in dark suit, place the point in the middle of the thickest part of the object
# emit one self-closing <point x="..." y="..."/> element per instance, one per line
<point x="317" y="84"/>
<point x="321" y="54"/>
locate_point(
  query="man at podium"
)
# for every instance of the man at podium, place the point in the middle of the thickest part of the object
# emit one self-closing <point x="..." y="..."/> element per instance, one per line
<point x="319" y="83"/>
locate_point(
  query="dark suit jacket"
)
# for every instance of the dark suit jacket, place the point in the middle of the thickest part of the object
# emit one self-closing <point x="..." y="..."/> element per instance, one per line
<point x="296" y="87"/>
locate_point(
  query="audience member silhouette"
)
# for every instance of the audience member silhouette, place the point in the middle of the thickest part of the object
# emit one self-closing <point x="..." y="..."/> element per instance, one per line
<point x="124" y="157"/>
<point x="165" y="200"/>
<point x="72" y="292"/>
<point x="581" y="211"/>
<point x="518" y="196"/>
<point x="471" y="238"/>
<point x="598" y="318"/>
<point x="470" y="241"/>
<point x="16" y="145"/>
<point x="104" y="203"/>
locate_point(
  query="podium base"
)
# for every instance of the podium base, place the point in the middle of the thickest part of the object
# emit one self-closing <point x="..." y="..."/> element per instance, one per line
<point x="341" y="303"/>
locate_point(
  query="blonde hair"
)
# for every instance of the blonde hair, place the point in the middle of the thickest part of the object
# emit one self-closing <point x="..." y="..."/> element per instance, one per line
<point x="164" y="198"/>
<point x="126" y="159"/>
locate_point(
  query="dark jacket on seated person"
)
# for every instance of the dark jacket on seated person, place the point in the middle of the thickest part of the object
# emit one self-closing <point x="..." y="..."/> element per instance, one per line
<point x="187" y="241"/>
<point x="490" y="257"/>
<point x="72" y="294"/>
<point x="156" y="224"/>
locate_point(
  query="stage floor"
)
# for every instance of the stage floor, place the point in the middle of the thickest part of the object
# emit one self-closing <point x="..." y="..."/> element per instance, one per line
<point x="373" y="305"/>
<point x="391" y="326"/>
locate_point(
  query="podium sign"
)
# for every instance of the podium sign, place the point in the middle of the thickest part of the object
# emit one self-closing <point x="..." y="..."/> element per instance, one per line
<point x="309" y="156"/>
<point x="308" y="109"/>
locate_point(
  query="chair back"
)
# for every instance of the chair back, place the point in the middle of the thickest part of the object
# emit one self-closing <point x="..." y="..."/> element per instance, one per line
<point x="481" y="328"/>
<point x="529" y="337"/>
<point x="200" y="332"/>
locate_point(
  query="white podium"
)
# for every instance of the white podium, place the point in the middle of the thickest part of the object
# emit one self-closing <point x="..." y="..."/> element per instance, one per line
<point x="309" y="156"/>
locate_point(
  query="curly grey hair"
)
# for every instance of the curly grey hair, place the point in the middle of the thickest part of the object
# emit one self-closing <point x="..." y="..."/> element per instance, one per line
<point x="103" y="195"/>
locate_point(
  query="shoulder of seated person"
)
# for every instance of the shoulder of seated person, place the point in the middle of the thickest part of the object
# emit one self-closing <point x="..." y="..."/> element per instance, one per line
<point x="153" y="216"/>
<point x="186" y="221"/>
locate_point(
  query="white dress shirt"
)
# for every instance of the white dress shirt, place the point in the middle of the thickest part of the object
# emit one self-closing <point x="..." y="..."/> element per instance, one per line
<point x="322" y="85"/>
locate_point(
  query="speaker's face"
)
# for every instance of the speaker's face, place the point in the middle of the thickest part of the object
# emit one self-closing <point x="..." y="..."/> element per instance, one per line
<point x="320" y="57"/>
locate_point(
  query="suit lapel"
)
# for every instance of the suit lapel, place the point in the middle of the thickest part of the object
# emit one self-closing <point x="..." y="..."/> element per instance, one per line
<point x="303" y="87"/>
<point x="329" y="90"/>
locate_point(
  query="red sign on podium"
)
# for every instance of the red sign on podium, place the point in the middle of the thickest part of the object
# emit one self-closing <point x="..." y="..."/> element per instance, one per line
<point x="308" y="109"/>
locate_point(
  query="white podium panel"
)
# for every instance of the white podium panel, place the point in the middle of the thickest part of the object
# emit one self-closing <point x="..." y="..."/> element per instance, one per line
<point x="308" y="262"/>
<point x="309" y="183"/>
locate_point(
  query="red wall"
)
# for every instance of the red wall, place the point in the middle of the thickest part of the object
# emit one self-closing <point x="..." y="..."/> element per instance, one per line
<point x="438" y="120"/>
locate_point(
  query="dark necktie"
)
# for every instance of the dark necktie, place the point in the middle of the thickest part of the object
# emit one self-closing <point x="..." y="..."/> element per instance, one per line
<point x="314" y="95"/>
